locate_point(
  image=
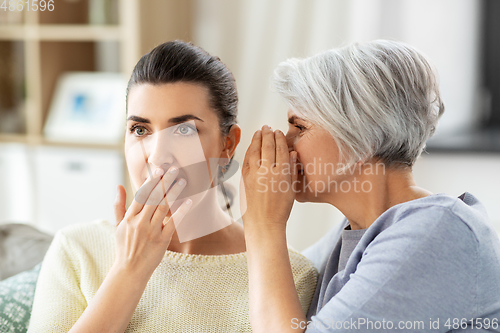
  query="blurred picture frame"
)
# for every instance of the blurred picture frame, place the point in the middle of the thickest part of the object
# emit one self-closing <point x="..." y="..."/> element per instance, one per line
<point x="87" y="107"/>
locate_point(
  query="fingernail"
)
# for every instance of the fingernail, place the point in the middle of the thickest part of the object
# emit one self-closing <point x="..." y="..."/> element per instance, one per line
<point x="294" y="157"/>
<point x="278" y="132"/>
<point x="158" y="172"/>
<point x="181" y="182"/>
<point x="188" y="202"/>
<point x="173" y="170"/>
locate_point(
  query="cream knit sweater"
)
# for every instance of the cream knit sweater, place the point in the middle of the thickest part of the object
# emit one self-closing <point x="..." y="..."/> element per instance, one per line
<point x="186" y="293"/>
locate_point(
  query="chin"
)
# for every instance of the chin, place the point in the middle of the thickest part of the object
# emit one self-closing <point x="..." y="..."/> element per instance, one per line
<point x="305" y="198"/>
<point x="299" y="199"/>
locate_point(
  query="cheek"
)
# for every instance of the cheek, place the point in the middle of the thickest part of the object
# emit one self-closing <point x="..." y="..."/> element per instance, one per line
<point x="305" y="151"/>
<point x="211" y="147"/>
<point x="201" y="155"/>
<point x="317" y="160"/>
<point x="193" y="149"/>
<point x="136" y="164"/>
<point x="135" y="168"/>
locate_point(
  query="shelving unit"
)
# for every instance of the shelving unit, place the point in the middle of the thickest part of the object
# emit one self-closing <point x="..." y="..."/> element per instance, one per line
<point x="41" y="45"/>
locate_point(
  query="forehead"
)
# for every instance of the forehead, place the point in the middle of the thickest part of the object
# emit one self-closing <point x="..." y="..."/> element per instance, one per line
<point x="164" y="101"/>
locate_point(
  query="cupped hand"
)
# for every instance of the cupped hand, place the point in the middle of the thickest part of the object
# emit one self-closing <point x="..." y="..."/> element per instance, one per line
<point x="145" y="229"/>
<point x="269" y="175"/>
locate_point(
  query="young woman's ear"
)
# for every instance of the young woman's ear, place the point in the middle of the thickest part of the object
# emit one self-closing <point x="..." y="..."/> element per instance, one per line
<point x="231" y="141"/>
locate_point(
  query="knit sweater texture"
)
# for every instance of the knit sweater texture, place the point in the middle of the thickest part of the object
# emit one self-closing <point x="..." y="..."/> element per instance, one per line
<point x="186" y="293"/>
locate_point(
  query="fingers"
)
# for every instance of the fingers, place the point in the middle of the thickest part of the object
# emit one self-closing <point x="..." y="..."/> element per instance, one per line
<point x="282" y="154"/>
<point x="158" y="193"/>
<point x="176" y="218"/>
<point x="253" y="155"/>
<point x="175" y="191"/>
<point x="142" y="195"/>
<point x="243" y="198"/>
<point x="268" y="146"/>
<point x="157" y="200"/>
<point x="293" y="166"/>
<point x="119" y="204"/>
<point x="161" y="210"/>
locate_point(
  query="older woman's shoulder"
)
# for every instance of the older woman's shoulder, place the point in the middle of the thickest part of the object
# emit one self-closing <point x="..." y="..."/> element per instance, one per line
<point x="437" y="221"/>
<point x="434" y="211"/>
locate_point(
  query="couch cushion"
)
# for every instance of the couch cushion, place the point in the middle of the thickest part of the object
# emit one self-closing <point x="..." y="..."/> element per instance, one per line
<point x="16" y="300"/>
<point x="21" y="248"/>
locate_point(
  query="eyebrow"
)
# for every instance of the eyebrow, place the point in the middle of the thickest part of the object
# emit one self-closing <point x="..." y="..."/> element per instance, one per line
<point x="174" y="120"/>
<point x="292" y="119"/>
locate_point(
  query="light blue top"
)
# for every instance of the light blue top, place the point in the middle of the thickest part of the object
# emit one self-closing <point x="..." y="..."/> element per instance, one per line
<point x="427" y="265"/>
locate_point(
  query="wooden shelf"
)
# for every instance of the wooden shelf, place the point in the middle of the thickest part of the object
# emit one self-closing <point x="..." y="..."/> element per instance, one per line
<point x="43" y="141"/>
<point x="12" y="32"/>
<point x="38" y="140"/>
<point x="63" y="40"/>
<point x="13" y="138"/>
<point x="61" y="32"/>
<point x="79" y="33"/>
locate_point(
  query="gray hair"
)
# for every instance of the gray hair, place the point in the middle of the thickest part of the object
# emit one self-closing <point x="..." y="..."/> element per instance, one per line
<point x="377" y="99"/>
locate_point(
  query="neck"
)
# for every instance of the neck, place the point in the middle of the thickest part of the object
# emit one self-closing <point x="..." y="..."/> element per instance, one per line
<point x="207" y="229"/>
<point x="388" y="188"/>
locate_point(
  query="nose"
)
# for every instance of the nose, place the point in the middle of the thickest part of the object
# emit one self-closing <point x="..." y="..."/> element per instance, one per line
<point x="159" y="152"/>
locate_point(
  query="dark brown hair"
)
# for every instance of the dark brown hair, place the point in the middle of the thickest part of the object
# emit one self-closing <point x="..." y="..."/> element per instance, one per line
<point x="178" y="61"/>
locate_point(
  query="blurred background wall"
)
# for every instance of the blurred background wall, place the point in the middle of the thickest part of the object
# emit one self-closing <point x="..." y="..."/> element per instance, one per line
<point x="251" y="37"/>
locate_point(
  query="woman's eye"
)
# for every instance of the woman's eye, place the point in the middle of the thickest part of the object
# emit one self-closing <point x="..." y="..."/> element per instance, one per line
<point x="138" y="130"/>
<point x="185" y="130"/>
<point x="301" y="128"/>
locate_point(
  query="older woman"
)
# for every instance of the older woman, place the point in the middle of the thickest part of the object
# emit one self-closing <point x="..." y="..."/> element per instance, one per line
<point x="404" y="258"/>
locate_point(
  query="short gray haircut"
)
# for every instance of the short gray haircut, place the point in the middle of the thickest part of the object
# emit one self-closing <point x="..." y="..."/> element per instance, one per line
<point x="377" y="99"/>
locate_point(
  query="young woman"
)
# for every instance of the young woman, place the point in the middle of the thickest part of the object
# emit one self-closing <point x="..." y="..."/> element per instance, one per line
<point x="404" y="259"/>
<point x="155" y="271"/>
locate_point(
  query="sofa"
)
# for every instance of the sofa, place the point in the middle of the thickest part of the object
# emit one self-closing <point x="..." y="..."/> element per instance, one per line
<point x="22" y="248"/>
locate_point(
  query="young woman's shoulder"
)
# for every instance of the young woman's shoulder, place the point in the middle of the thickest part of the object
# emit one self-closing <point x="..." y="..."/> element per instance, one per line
<point x="90" y="242"/>
<point x="305" y="276"/>
<point x="299" y="261"/>
<point x="73" y="268"/>
<point x="95" y="226"/>
<point x="88" y="232"/>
